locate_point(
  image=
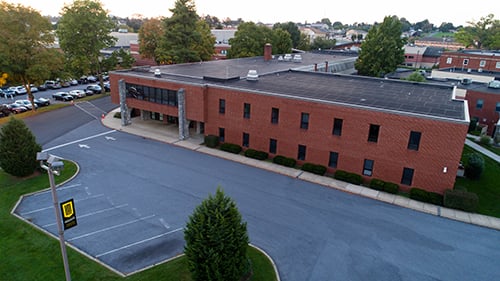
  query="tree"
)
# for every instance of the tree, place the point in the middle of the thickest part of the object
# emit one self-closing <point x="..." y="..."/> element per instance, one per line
<point x="249" y="40"/>
<point x="292" y="29"/>
<point x="282" y="43"/>
<point x="446" y="27"/>
<point x="382" y="51"/>
<point x="18" y="148"/>
<point x="149" y="37"/>
<point x="83" y="31"/>
<point x="216" y="240"/>
<point x="416" y="76"/>
<point x="25" y="53"/>
<point x="185" y="39"/>
<point x="322" y="43"/>
<point x="474" y="165"/>
<point x="484" y="34"/>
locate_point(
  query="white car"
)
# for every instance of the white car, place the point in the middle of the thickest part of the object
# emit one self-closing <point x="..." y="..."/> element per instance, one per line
<point x="25" y="103"/>
<point x="19" y="90"/>
<point x="77" y="93"/>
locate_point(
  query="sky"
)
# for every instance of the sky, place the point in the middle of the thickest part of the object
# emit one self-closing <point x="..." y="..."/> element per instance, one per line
<point x="308" y="11"/>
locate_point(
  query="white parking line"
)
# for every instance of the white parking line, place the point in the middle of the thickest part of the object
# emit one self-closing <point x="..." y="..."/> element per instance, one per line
<point x="45" y="208"/>
<point x="60" y="188"/>
<point x="80" y="140"/>
<point x="139" y="242"/>
<point x="92" y="213"/>
<point x="111" y="227"/>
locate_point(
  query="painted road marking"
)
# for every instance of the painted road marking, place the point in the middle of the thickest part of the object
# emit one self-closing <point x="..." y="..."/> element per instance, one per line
<point x="93" y="213"/>
<point x="83" y="146"/>
<point x="110" y="228"/>
<point x="139" y="242"/>
<point x="59" y="188"/>
<point x="45" y="208"/>
<point x="80" y="140"/>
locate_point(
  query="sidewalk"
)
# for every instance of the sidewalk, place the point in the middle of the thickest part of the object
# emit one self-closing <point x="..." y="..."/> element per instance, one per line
<point x="169" y="133"/>
<point x="481" y="149"/>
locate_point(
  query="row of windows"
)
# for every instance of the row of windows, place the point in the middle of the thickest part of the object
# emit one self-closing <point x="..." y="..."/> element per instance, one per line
<point x="373" y="132"/>
<point x="333" y="159"/>
<point x="156" y="95"/>
<point x="480" y="104"/>
<point x="482" y="63"/>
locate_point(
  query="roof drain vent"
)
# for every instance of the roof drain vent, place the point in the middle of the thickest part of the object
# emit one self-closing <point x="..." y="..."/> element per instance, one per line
<point x="252" y="75"/>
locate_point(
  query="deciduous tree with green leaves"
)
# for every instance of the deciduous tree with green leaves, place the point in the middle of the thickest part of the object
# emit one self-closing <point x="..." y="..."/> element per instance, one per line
<point x="292" y="29"/>
<point x="382" y="51"/>
<point x="216" y="240"/>
<point x="18" y="148"/>
<point x="149" y="37"/>
<point x="484" y="34"/>
<point x="84" y="30"/>
<point x="25" y="46"/>
<point x="185" y="39"/>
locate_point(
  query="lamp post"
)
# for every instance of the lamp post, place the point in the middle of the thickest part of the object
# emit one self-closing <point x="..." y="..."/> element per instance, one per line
<point x="53" y="165"/>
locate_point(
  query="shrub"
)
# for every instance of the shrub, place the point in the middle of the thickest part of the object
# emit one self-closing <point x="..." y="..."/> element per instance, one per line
<point x="391" y="187"/>
<point x="314" y="168"/>
<point x="485" y="140"/>
<point x="284" y="161"/>
<point x="256" y="154"/>
<point x="230" y="147"/>
<point x="377" y="184"/>
<point x="461" y="200"/>
<point x="436" y="198"/>
<point x="419" y="194"/>
<point x="348" y="177"/>
<point x="211" y="141"/>
<point x="474" y="165"/>
<point x="118" y="115"/>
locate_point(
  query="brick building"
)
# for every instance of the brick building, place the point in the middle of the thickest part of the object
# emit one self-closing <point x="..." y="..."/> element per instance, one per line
<point x="407" y="133"/>
<point x="471" y="61"/>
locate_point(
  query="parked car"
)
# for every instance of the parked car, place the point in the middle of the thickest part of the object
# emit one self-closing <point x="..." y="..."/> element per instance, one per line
<point x="4" y="110"/>
<point x="42" y="102"/>
<point x="33" y="88"/>
<point x="92" y="79"/>
<point x="62" y="96"/>
<point x="65" y="84"/>
<point x="42" y="87"/>
<point x="107" y="87"/>
<point x="6" y="93"/>
<point x="51" y="84"/>
<point x="77" y="93"/>
<point x="25" y="103"/>
<point x="18" y="90"/>
<point x="93" y="89"/>
<point x="73" y="82"/>
<point x="17" y="108"/>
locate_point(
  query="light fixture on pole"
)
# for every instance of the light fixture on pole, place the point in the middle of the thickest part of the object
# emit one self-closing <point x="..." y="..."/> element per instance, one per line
<point x="53" y="165"/>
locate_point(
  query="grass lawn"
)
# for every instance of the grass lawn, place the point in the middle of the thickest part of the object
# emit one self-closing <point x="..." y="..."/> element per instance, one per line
<point x="487" y="187"/>
<point x="29" y="254"/>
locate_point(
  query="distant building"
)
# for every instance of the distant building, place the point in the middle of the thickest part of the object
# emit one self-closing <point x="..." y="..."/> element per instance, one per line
<point x="397" y="131"/>
<point x="422" y="57"/>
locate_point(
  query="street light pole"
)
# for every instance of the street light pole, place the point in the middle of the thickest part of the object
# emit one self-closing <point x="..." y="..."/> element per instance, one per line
<point x="48" y="163"/>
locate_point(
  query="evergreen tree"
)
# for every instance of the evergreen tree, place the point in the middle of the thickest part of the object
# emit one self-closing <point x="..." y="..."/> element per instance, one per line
<point x="185" y="39"/>
<point x="382" y="51"/>
<point x="18" y="148"/>
<point x="216" y="240"/>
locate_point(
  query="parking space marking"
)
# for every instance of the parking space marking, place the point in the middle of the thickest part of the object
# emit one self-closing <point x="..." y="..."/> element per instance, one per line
<point x="139" y="242"/>
<point x="93" y="213"/>
<point x="59" y="188"/>
<point x="111" y="227"/>
<point x="51" y="206"/>
<point x="80" y="140"/>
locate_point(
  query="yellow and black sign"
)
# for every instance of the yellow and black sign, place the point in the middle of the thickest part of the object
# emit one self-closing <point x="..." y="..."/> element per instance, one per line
<point x="69" y="214"/>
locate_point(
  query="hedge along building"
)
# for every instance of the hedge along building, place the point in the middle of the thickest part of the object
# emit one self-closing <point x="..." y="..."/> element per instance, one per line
<point x="402" y="132"/>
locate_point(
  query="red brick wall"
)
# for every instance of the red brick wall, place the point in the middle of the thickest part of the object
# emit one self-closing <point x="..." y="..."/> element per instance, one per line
<point x="440" y="146"/>
<point x="457" y="60"/>
<point x="488" y="114"/>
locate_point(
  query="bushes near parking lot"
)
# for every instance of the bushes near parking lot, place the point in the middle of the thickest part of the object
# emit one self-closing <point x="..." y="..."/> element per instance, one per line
<point x="314" y="168"/>
<point x="461" y="200"/>
<point x="230" y="147"/>
<point x="474" y="165"/>
<point x="348" y="177"/>
<point x="381" y="185"/>
<point x="211" y="141"/>
<point x="419" y="194"/>
<point x="284" y="161"/>
<point x="256" y="154"/>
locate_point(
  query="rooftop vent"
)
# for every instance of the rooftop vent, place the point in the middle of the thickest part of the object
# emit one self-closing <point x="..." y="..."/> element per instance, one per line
<point x="495" y="84"/>
<point x="252" y="75"/>
<point x="157" y="72"/>
<point x="466" y="81"/>
<point x="297" y="58"/>
<point x="288" y="57"/>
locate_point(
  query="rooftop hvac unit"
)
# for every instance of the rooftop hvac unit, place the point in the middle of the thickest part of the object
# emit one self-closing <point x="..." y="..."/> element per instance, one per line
<point x="252" y="75"/>
<point x="157" y="72"/>
<point x="466" y="81"/>
<point x="479" y="70"/>
<point x="297" y="58"/>
<point x="495" y="84"/>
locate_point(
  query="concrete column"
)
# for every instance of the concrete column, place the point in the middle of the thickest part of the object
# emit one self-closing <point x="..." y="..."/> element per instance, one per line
<point x="183" y="122"/>
<point x="125" y="113"/>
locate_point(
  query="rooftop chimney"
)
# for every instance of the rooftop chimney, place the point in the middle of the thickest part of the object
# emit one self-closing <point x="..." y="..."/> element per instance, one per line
<point x="268" y="52"/>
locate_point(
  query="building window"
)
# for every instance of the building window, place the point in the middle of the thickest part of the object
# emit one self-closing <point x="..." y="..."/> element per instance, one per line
<point x="337" y="127"/>
<point x="466" y="61"/>
<point x="449" y="60"/>
<point x="273" y="145"/>
<point x="222" y="134"/>
<point x="407" y="177"/>
<point x="304" y="121"/>
<point x="497" y="107"/>
<point x="246" y="111"/>
<point x="479" y="104"/>
<point x="497" y="65"/>
<point x="334" y="158"/>
<point x="156" y="95"/>
<point x="301" y="155"/>
<point x="368" y="167"/>
<point x="482" y="63"/>
<point x="373" y="133"/>
<point x="414" y="141"/>
<point x="246" y="139"/>
<point x="222" y="106"/>
<point x="275" y="115"/>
